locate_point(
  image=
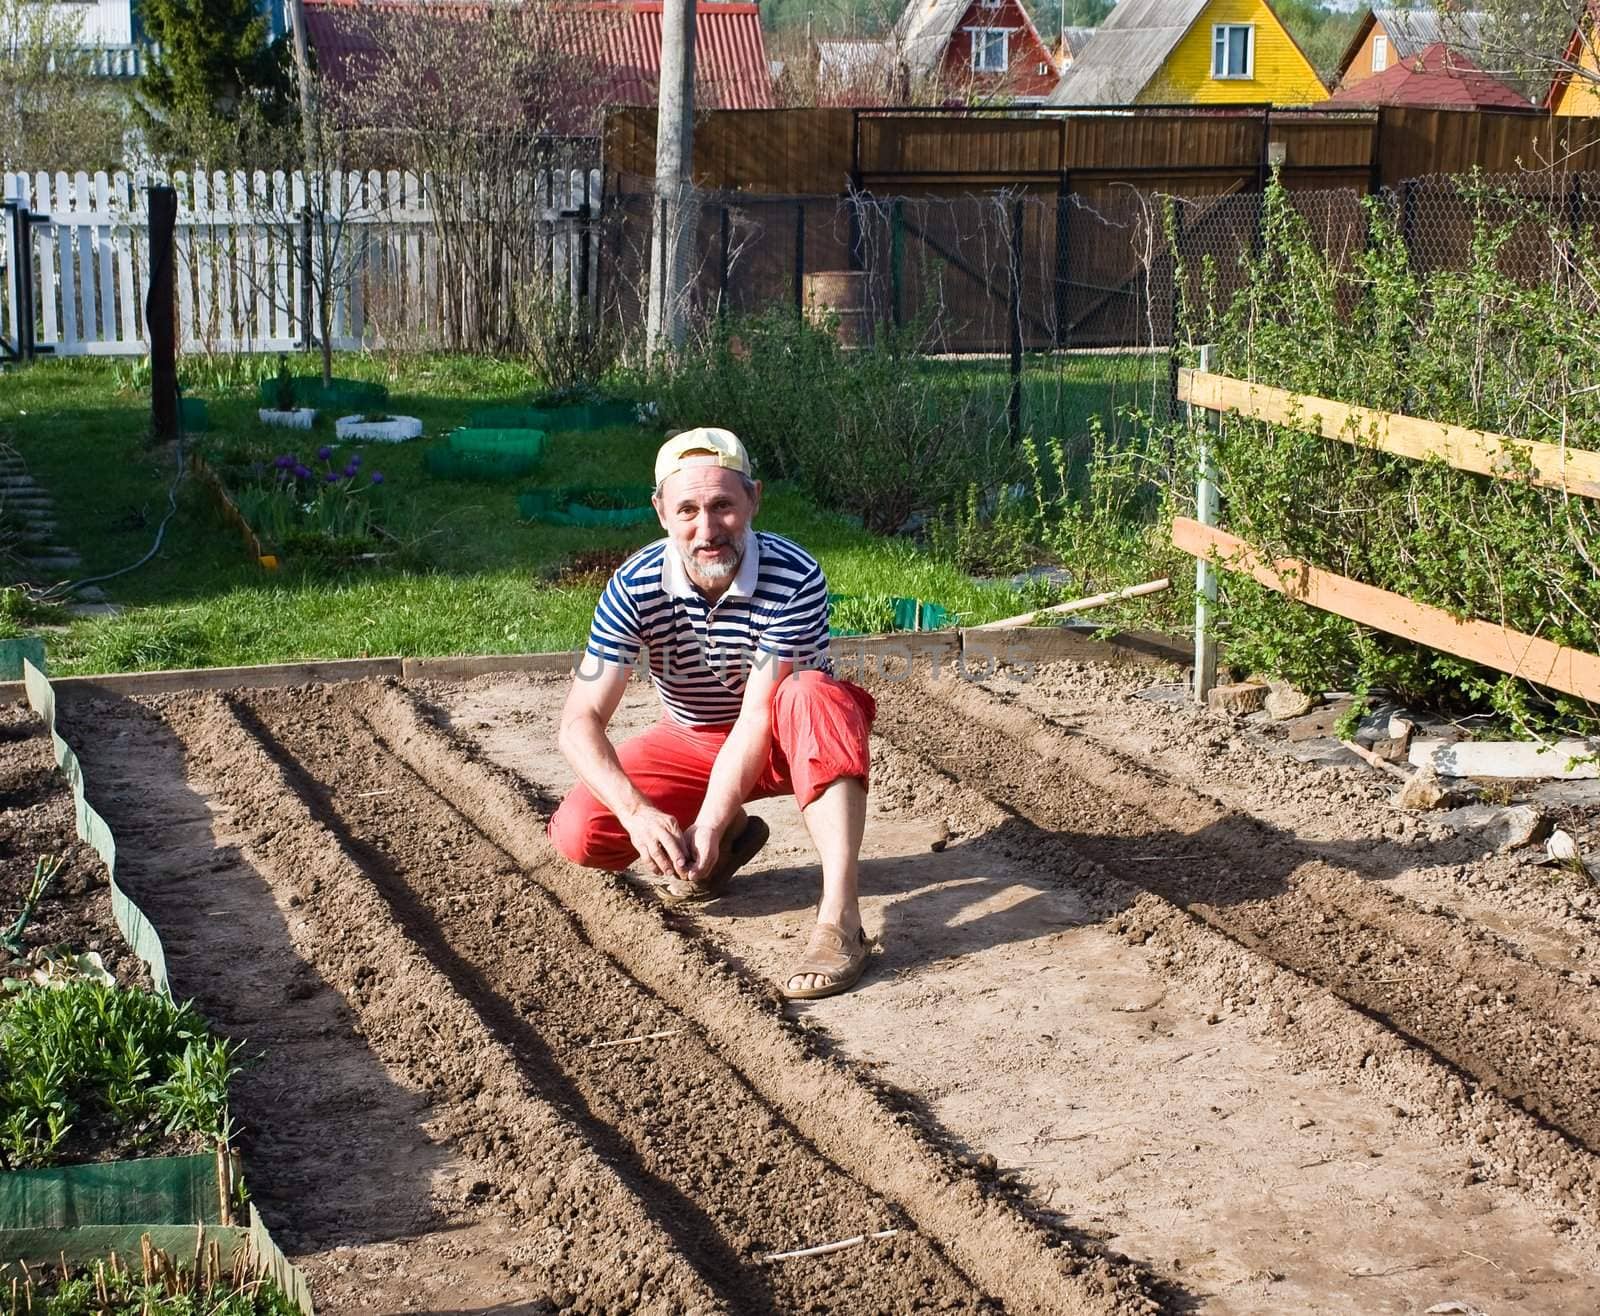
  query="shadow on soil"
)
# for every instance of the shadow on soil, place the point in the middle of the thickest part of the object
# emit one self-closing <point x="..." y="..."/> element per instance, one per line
<point x="336" y="1150"/>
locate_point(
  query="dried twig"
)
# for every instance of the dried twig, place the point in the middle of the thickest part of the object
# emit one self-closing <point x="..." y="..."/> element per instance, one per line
<point x="633" y="1041"/>
<point x="1383" y="765"/>
<point x="824" y="1248"/>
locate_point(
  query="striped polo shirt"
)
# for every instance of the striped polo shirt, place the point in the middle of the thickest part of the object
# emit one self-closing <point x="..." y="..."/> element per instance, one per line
<point x="700" y="653"/>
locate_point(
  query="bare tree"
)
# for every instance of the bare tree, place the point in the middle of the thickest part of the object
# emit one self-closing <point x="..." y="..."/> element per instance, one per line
<point x="475" y="102"/>
<point x="54" y="111"/>
<point x="1531" y="43"/>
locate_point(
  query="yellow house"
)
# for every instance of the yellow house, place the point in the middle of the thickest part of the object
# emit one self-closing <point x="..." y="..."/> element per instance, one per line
<point x="1191" y="52"/>
<point x="1572" y="93"/>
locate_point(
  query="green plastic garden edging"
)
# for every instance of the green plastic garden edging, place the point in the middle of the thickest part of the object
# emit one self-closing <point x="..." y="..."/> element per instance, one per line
<point x="171" y="1189"/>
<point x="309" y="391"/>
<point x="580" y="416"/>
<point x="12" y="652"/>
<point x="564" y="506"/>
<point x="37" y="1206"/>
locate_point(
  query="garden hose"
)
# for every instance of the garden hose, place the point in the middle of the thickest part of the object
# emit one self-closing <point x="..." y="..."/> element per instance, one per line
<point x="61" y="591"/>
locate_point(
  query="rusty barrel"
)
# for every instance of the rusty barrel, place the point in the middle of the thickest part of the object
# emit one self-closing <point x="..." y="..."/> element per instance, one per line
<point x="842" y="293"/>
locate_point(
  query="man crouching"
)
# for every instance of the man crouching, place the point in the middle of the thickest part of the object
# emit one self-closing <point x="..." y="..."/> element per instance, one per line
<point x="735" y="622"/>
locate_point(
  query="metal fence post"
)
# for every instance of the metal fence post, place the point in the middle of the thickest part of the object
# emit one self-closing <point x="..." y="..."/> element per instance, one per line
<point x="1205" y="575"/>
<point x="1014" y="404"/>
<point x="1058" y="333"/>
<point x="800" y="257"/>
<point x="20" y="311"/>
<point x="1174" y="265"/>
<point x="722" y="262"/>
<point x="306" y="319"/>
<point x="897" y="251"/>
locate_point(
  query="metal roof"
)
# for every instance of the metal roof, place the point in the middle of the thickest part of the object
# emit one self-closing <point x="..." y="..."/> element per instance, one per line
<point x="1076" y="38"/>
<point x="622" y="40"/>
<point x="1412" y="30"/>
<point x="924" y="31"/>
<point x="847" y="59"/>
<point x="1128" y="50"/>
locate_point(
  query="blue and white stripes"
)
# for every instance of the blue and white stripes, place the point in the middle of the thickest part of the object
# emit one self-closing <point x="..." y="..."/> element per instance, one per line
<point x="700" y="654"/>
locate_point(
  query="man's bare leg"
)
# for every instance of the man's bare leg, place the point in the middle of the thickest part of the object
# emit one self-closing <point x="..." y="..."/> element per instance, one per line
<point x="836" y="820"/>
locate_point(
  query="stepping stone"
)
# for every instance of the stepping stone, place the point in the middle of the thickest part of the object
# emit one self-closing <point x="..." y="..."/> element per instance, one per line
<point x="91" y="594"/>
<point x="60" y="562"/>
<point x="94" y="609"/>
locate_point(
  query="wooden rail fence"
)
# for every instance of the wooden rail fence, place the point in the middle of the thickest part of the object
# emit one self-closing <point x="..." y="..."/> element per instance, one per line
<point x="1552" y="466"/>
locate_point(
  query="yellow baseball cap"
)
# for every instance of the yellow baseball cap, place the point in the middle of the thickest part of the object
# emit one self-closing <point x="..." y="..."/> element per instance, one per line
<point x="702" y="447"/>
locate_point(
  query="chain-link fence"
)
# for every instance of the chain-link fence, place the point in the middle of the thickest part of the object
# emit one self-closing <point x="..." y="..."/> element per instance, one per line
<point x="1059" y="310"/>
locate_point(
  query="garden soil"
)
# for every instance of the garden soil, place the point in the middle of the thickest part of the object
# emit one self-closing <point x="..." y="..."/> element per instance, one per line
<point x="37" y="822"/>
<point x="1158" y="1019"/>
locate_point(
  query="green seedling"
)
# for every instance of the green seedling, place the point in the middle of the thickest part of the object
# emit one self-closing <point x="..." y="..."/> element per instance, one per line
<point x="45" y="869"/>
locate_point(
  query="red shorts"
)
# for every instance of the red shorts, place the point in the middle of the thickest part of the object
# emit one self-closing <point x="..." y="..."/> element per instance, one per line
<point x="819" y="735"/>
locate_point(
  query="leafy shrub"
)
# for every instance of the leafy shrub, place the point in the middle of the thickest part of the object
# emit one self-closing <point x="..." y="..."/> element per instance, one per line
<point x="865" y="431"/>
<point x="1510" y="343"/>
<point x="570" y="347"/>
<point x="109" y="1064"/>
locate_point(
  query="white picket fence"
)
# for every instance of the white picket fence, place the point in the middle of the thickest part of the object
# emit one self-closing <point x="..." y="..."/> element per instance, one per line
<point x="243" y="251"/>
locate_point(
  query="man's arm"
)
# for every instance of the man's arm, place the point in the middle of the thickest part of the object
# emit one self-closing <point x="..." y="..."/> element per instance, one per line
<point x="596" y="691"/>
<point x="739" y="762"/>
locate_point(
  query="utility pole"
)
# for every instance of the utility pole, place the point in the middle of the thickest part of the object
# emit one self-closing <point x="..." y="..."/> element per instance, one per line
<point x="673" y="221"/>
<point x="311" y="138"/>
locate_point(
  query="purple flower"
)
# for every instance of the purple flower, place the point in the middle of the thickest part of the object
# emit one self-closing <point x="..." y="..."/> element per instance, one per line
<point x="350" y="471"/>
<point x="284" y="462"/>
<point x="355" y="459"/>
<point x="333" y="477"/>
<point x="324" y="453"/>
<point x="377" y="477"/>
<point x="303" y="472"/>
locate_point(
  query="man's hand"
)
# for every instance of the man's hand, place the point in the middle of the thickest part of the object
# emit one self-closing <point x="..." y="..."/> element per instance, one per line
<point x="702" y="844"/>
<point x="655" y="835"/>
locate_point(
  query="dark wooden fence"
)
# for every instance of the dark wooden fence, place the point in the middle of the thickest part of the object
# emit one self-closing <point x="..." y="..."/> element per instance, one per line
<point x="1189" y="151"/>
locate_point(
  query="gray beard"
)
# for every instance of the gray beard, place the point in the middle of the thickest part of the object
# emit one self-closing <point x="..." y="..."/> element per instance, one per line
<point x="716" y="572"/>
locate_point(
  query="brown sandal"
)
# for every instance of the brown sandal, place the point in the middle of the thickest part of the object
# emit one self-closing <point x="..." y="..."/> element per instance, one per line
<point x="745" y="847"/>
<point x="834" y="954"/>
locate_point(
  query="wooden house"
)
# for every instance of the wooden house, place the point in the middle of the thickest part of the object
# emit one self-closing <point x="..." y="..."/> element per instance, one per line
<point x="1190" y="52"/>
<point x="1385" y="37"/>
<point x="1579" y="92"/>
<point x="976" y="49"/>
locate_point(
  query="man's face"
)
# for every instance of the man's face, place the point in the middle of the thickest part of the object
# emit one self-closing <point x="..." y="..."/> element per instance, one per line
<point x="706" y="512"/>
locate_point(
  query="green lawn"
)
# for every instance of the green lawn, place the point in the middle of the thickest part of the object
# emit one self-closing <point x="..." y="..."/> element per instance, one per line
<point x="473" y="579"/>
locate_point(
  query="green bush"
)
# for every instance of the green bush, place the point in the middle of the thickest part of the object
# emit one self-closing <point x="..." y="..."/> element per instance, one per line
<point x="867" y="431"/>
<point x="1511" y="344"/>
<point x="113" y="1065"/>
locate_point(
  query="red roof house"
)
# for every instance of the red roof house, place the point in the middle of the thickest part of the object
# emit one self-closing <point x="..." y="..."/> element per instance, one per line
<point x="977" y="49"/>
<point x="607" y="53"/>
<point x="1436" y="78"/>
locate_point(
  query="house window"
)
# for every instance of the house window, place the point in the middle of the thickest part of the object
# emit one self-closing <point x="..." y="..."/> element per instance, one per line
<point x="989" y="53"/>
<point x="1233" y="50"/>
<point x="1380" y="54"/>
<point x="991" y="4"/>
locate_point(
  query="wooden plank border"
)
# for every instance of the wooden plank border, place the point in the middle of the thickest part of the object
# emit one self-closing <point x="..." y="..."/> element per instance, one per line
<point x="1549" y="465"/>
<point x="1527" y="656"/>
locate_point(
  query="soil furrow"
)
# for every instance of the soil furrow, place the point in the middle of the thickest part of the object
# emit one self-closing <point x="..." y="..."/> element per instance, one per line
<point x="1025" y="1266"/>
<point x="1511" y="1025"/>
<point x="724" y="1176"/>
<point x="1460" y="996"/>
<point x="605" y="1246"/>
